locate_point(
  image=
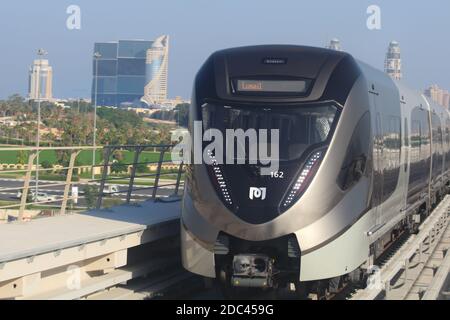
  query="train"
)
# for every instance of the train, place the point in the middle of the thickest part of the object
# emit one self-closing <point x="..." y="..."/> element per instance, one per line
<point x="363" y="160"/>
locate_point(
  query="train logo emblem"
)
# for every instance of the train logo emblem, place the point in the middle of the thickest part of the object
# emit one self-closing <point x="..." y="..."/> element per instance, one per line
<point x="258" y="193"/>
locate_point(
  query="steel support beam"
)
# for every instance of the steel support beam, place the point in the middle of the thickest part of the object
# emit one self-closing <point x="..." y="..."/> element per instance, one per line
<point x="26" y="185"/>
<point x="107" y="153"/>
<point x="73" y="157"/>
<point x="137" y="154"/>
<point x="158" y="173"/>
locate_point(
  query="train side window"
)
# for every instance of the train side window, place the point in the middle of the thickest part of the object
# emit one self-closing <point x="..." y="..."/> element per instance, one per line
<point x="392" y="158"/>
<point x="406" y="133"/>
<point x="437" y="142"/>
<point x="392" y="141"/>
<point x="355" y="162"/>
<point x="396" y="138"/>
<point x="415" y="141"/>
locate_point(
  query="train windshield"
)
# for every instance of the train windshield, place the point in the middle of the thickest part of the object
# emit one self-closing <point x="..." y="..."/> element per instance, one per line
<point x="300" y="128"/>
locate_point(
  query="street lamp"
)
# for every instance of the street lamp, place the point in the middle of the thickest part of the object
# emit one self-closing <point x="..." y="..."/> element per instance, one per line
<point x="97" y="56"/>
<point x="40" y="53"/>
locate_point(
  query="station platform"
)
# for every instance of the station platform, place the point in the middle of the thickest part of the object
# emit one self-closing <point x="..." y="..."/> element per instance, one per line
<point x="34" y="251"/>
<point x="19" y="240"/>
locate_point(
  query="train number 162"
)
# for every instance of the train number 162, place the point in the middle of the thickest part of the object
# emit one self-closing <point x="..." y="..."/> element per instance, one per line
<point x="277" y="175"/>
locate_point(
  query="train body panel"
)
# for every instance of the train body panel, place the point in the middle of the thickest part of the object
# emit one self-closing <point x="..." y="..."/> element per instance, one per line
<point x="388" y="178"/>
<point x="377" y="157"/>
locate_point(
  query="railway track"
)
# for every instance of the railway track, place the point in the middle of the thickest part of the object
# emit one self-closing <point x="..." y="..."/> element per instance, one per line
<point x="419" y="268"/>
<point x="169" y="285"/>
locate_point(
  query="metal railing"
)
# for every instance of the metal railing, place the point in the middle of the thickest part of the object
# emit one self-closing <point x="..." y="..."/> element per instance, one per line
<point x="164" y="167"/>
<point x="149" y="173"/>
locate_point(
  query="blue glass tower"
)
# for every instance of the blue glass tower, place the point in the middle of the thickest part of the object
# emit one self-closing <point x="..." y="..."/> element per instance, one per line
<point x="121" y="76"/>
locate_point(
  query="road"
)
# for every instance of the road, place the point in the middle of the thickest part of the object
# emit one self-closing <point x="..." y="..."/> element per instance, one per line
<point x="6" y="194"/>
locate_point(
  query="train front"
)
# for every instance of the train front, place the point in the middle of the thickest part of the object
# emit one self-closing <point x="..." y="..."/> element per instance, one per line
<point x="255" y="224"/>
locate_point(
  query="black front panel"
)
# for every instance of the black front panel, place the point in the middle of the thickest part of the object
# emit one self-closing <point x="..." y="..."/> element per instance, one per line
<point x="303" y="129"/>
<point x="243" y="177"/>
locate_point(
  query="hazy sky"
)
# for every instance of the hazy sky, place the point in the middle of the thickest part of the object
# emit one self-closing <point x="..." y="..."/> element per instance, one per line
<point x="199" y="27"/>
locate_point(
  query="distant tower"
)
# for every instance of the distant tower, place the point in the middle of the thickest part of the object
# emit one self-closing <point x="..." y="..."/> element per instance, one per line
<point x="335" y="44"/>
<point x="393" y="62"/>
<point x="40" y="79"/>
<point x="438" y="95"/>
<point x="155" y="91"/>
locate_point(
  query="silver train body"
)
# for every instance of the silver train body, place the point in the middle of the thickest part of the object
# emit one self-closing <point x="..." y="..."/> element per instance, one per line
<point x="375" y="169"/>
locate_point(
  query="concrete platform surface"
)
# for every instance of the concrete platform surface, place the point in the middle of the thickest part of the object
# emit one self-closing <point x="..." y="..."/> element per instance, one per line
<point x="25" y="239"/>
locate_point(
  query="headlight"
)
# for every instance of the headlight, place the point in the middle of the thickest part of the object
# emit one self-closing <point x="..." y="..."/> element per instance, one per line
<point x="219" y="179"/>
<point x="306" y="175"/>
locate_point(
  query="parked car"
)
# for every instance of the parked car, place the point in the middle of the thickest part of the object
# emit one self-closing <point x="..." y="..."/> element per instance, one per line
<point x="41" y="196"/>
<point x="111" y="190"/>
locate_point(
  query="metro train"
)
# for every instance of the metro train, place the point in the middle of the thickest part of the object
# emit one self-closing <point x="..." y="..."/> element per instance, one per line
<point x="363" y="159"/>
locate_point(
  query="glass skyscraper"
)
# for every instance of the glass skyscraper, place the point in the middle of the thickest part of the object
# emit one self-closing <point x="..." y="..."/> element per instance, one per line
<point x="157" y="71"/>
<point x="122" y="72"/>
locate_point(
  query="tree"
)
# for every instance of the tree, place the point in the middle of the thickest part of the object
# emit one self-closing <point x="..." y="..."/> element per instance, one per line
<point x="118" y="117"/>
<point x="63" y="157"/>
<point x="22" y="157"/>
<point x="90" y="196"/>
<point x="142" y="167"/>
<point x="118" y="155"/>
<point x="46" y="164"/>
<point x="183" y="114"/>
<point x="180" y="115"/>
<point x="81" y="106"/>
<point x="73" y="126"/>
<point x="119" y="167"/>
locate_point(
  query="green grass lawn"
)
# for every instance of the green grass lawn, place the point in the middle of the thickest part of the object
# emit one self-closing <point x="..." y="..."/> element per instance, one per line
<point x="84" y="158"/>
<point x="7" y="203"/>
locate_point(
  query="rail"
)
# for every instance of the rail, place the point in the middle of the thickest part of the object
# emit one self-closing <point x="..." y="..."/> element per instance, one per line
<point x="125" y="174"/>
<point x="419" y="269"/>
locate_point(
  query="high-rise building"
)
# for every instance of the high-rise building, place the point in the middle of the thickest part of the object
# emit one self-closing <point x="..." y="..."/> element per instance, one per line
<point x="155" y="91"/>
<point x="40" y="81"/>
<point x="121" y="72"/>
<point x="393" y="62"/>
<point x="335" y="44"/>
<point x="438" y="95"/>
